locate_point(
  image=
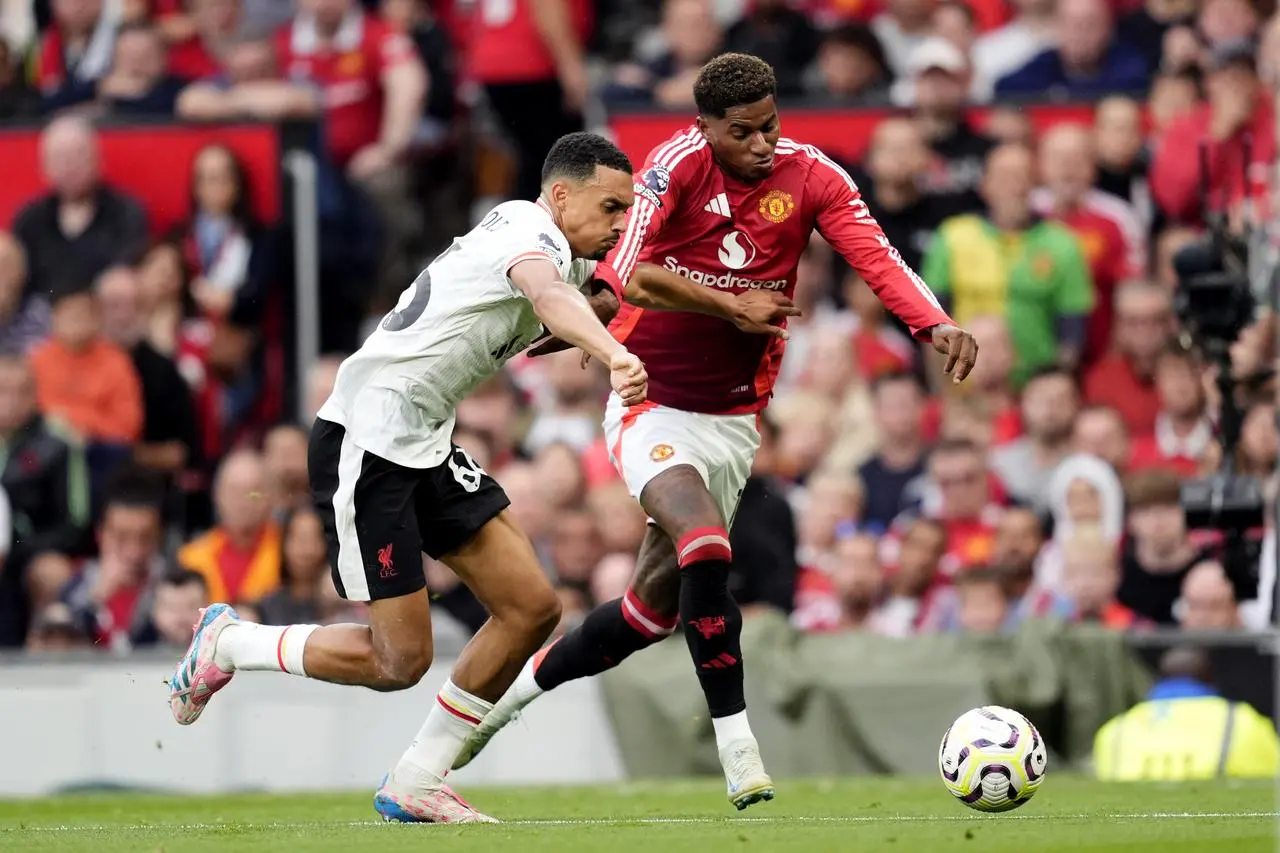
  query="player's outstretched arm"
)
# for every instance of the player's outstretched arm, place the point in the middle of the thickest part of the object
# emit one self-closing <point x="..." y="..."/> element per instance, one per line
<point x="758" y="312"/>
<point x="569" y="316"/>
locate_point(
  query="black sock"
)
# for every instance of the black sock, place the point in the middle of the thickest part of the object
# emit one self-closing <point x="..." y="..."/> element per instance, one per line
<point x="713" y="629"/>
<point x="609" y="635"/>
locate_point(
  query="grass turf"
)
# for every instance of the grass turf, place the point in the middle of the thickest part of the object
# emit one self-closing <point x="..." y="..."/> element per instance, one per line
<point x="863" y="815"/>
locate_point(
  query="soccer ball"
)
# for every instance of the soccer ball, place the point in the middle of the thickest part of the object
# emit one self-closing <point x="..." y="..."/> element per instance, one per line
<point x="992" y="759"/>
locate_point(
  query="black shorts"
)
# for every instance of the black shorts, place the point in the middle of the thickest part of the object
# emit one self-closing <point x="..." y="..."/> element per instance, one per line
<point x="378" y="516"/>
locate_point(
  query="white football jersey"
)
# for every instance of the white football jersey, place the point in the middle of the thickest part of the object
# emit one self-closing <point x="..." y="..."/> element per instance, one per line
<point x="452" y="329"/>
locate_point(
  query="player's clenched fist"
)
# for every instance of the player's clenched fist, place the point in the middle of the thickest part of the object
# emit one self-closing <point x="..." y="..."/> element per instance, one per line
<point x="628" y="378"/>
<point x="762" y="312"/>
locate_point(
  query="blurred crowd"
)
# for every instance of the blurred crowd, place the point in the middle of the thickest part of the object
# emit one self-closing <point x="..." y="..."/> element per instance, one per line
<point x="147" y="467"/>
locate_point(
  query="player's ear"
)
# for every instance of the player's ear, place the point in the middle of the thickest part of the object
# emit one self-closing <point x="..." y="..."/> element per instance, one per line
<point x="558" y="192"/>
<point x="703" y="127"/>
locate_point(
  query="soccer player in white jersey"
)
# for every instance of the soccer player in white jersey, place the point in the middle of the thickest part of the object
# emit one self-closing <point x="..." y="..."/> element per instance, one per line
<point x="389" y="483"/>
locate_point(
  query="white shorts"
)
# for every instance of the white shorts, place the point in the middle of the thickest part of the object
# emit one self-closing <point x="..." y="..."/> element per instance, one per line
<point x="647" y="439"/>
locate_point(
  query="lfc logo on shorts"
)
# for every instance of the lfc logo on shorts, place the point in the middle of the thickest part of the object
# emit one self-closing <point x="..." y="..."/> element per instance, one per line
<point x="777" y="205"/>
<point x="662" y="452"/>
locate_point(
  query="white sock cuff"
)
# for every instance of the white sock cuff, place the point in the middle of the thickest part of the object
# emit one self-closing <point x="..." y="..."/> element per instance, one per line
<point x="292" y="644"/>
<point x="462" y="704"/>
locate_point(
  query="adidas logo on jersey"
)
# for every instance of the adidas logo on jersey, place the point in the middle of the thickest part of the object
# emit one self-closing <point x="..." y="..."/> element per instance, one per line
<point x="719" y="205"/>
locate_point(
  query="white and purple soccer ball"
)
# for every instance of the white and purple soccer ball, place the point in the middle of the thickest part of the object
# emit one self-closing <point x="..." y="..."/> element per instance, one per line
<point x="992" y="759"/>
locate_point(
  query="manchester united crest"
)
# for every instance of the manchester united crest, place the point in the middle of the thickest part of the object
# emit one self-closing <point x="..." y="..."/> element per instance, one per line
<point x="662" y="452"/>
<point x="777" y="205"/>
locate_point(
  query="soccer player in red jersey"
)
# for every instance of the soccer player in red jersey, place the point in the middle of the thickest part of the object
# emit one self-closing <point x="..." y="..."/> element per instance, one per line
<point x="731" y="205"/>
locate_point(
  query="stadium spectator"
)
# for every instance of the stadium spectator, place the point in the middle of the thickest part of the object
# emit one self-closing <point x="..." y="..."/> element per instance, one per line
<point x="1107" y="227"/>
<point x="1158" y="552"/>
<point x="111" y="595"/>
<point x="1145" y="27"/>
<point x="1121" y="160"/>
<point x="528" y="508"/>
<point x="1090" y="579"/>
<point x="622" y="524"/>
<point x="963" y="503"/>
<point x="858" y="579"/>
<point x="44" y="475"/>
<point x="84" y="380"/>
<point x="54" y="630"/>
<point x="899" y="462"/>
<point x="251" y="88"/>
<point x="1100" y="431"/>
<point x="284" y="457"/>
<point x="175" y="608"/>
<point x="240" y="558"/>
<point x="1046" y="294"/>
<point x="169" y="434"/>
<point x="1168" y="731"/>
<point x="902" y="27"/>
<point x="1208" y="601"/>
<point x="1088" y="60"/>
<point x="891" y="187"/>
<point x="1183" y="430"/>
<point x="612" y="578"/>
<point x="851" y="66"/>
<point x="916" y="603"/>
<point x="82" y="226"/>
<point x="1083" y="492"/>
<point x="1016" y="554"/>
<point x="829" y="374"/>
<point x="1237" y="107"/>
<point x="983" y="606"/>
<point x="959" y="151"/>
<point x="956" y="22"/>
<point x="990" y="386"/>
<point x="880" y="345"/>
<point x="575" y="548"/>
<point x="1227" y="21"/>
<point x="1006" y="49"/>
<point x="1173" y="95"/>
<point x="781" y="36"/>
<point x="166" y="300"/>
<point x="763" y="535"/>
<point x="24" y="315"/>
<point x="1268" y="55"/>
<point x="1050" y="400"/>
<point x="1124" y="380"/>
<point x="304" y="569"/>
<point x="691" y="36"/>
<point x="215" y="25"/>
<point x="76" y="48"/>
<point x="530" y="61"/>
<point x="138" y="83"/>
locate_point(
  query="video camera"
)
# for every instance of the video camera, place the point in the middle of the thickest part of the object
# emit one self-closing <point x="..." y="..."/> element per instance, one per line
<point x="1215" y="300"/>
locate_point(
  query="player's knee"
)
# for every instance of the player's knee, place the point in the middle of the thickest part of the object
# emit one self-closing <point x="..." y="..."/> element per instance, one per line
<point x="540" y="613"/>
<point x="402" y="668"/>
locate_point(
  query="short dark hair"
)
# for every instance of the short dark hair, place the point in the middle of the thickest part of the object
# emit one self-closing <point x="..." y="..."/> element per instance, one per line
<point x="134" y="487"/>
<point x="732" y="80"/>
<point x="981" y="576"/>
<point x="1151" y="488"/>
<point x="576" y="156"/>
<point x="1051" y="371"/>
<point x="185" y="577"/>
<point x="955" y="447"/>
<point x="897" y="377"/>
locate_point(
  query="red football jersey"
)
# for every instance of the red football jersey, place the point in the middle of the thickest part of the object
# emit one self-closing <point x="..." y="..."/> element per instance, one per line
<point x="1114" y="245"/>
<point x="348" y="69"/>
<point x="506" y="46"/>
<point x="694" y="220"/>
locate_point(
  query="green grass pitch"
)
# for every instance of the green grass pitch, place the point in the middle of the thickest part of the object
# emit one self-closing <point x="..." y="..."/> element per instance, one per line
<point x="845" y="816"/>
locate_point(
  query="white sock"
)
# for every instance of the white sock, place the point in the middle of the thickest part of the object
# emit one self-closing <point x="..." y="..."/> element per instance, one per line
<point x="731" y="728"/>
<point x="269" y="648"/>
<point x="526" y="686"/>
<point x="454" y="716"/>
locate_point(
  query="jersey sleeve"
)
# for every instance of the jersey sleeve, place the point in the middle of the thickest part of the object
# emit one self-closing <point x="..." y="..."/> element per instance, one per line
<point x="845" y="222"/>
<point x="1073" y="285"/>
<point x="658" y="188"/>
<point x="389" y="48"/>
<point x="521" y="233"/>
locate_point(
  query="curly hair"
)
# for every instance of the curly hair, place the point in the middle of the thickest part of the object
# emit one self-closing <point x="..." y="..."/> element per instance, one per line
<point x="576" y="156"/>
<point x="732" y="80"/>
